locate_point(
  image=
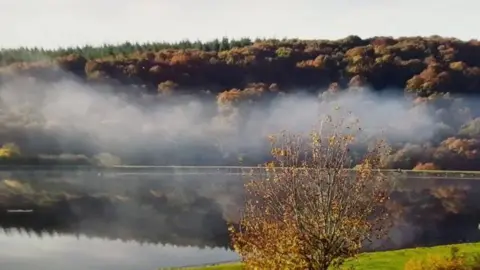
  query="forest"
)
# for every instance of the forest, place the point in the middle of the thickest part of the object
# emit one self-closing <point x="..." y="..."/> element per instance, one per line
<point x="432" y="77"/>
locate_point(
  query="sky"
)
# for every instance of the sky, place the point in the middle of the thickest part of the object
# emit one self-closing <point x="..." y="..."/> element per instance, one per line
<point x="63" y="23"/>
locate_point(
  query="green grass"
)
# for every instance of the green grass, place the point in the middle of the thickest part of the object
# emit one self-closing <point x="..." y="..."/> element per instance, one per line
<point x="393" y="260"/>
<point x="227" y="266"/>
<point x="387" y="260"/>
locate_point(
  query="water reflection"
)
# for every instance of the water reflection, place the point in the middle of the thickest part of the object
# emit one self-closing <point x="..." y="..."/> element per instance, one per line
<point x="90" y="221"/>
<point x="146" y="220"/>
<point x="63" y="251"/>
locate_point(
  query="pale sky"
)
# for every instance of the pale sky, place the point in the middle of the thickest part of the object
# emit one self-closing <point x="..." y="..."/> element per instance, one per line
<point x="54" y="23"/>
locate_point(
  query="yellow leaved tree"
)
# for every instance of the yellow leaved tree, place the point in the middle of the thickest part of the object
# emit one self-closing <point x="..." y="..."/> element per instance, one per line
<point x="308" y="209"/>
<point x="9" y="150"/>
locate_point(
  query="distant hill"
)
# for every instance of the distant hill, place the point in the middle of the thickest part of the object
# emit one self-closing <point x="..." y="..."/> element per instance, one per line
<point x="420" y="64"/>
<point x="230" y="73"/>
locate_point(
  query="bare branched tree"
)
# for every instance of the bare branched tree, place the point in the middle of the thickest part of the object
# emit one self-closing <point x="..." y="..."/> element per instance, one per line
<point x="309" y="209"/>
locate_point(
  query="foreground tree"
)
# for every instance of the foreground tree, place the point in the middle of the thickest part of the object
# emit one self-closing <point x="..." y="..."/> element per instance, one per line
<point x="309" y="209"/>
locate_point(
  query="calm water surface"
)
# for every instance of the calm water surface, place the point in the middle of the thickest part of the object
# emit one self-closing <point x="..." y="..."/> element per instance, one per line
<point x="59" y="252"/>
<point x="166" y="222"/>
<point x="167" y="219"/>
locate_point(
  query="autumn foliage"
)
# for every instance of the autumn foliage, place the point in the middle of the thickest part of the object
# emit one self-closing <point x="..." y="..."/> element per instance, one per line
<point x="308" y="210"/>
<point x="237" y="73"/>
<point x="9" y="150"/>
<point x="425" y="167"/>
<point x="422" y="65"/>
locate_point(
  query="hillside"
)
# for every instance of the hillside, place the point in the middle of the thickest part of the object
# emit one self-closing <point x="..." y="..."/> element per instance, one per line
<point x="421" y="65"/>
<point x="235" y="80"/>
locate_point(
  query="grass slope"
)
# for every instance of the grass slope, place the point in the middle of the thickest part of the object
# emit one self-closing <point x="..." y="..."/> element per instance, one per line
<point x="387" y="260"/>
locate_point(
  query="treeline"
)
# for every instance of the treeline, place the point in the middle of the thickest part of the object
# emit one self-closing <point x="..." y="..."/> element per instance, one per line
<point x="422" y="65"/>
<point x="8" y="56"/>
<point x="234" y="71"/>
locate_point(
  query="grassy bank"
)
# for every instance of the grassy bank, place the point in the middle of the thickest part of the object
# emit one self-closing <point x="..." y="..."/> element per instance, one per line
<point x="387" y="260"/>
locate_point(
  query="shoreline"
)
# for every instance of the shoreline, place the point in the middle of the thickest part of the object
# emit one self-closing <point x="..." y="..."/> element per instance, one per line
<point x="231" y="170"/>
<point x="207" y="264"/>
<point x="2" y="166"/>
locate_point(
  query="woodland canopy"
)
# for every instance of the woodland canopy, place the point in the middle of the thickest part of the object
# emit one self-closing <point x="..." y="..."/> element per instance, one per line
<point x="441" y="73"/>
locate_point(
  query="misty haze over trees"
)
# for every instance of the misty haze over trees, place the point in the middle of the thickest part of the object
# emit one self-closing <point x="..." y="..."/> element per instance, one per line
<point x="214" y="103"/>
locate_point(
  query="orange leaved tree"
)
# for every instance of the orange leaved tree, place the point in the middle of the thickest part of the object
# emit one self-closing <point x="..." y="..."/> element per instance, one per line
<point x="308" y="209"/>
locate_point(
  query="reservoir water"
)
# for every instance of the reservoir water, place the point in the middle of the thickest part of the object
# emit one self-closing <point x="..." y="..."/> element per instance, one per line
<point x="24" y="251"/>
<point x="94" y="220"/>
<point x="148" y="219"/>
